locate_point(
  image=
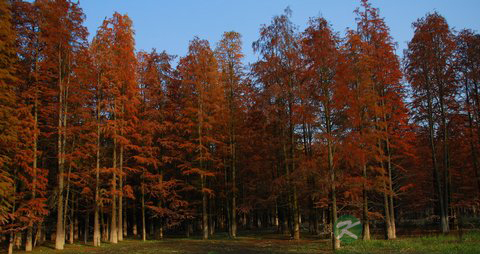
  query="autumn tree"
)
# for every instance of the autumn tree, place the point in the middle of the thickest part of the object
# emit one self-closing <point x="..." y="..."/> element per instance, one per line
<point x="200" y="81"/>
<point x="116" y="76"/>
<point x="278" y="72"/>
<point x="229" y="56"/>
<point x="9" y="123"/>
<point x="320" y="45"/>
<point x="468" y="67"/>
<point x="391" y="111"/>
<point x="430" y="71"/>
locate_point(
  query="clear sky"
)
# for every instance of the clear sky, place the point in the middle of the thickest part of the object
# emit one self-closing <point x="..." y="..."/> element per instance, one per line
<point x="170" y="25"/>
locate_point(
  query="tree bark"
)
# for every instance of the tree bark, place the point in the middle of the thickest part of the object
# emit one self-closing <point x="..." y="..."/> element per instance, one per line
<point x="204" y="209"/>
<point x="96" y="223"/>
<point x="113" y="216"/>
<point x="120" y="180"/>
<point x="144" y="229"/>
<point x="60" y="234"/>
<point x="366" y="221"/>
<point x="436" y="175"/>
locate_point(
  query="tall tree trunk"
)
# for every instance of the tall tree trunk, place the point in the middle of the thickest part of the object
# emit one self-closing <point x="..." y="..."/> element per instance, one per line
<point x="120" y="178"/>
<point x="60" y="234"/>
<point x="335" y="241"/>
<point x="386" y="207"/>
<point x="296" y="211"/>
<point x="67" y="197"/>
<point x="71" y="221"/>
<point x="113" y="223"/>
<point x="445" y="162"/>
<point x="331" y="170"/>
<point x="227" y="202"/>
<point x="29" y="242"/>
<point x="233" y="218"/>
<point x="144" y="229"/>
<point x="204" y="209"/>
<point x="104" y="234"/>
<point x="436" y="175"/>
<point x="11" y="239"/>
<point x="120" y="196"/>
<point x="366" y="220"/>
<point x="96" y="223"/>
<point x="202" y="176"/>
<point x="391" y="193"/>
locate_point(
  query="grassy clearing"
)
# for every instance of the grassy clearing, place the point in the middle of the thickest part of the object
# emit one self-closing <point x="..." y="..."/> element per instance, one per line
<point x="470" y="243"/>
<point x="264" y="242"/>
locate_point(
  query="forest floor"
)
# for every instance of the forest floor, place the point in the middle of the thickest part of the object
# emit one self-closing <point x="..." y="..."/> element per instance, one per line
<point x="263" y="242"/>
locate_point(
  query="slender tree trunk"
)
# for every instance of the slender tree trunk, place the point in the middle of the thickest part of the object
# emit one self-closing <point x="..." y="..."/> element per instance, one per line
<point x="144" y="226"/>
<point x="120" y="180"/>
<point x="227" y="202"/>
<point x="11" y="239"/>
<point x="29" y="242"/>
<point x="113" y="223"/>
<point x="71" y="221"/>
<point x="296" y="215"/>
<point x="202" y="176"/>
<point x="120" y="196"/>
<point x="234" y="177"/>
<point x="331" y="170"/>
<point x="390" y="188"/>
<point x="366" y="220"/>
<point x="204" y="209"/>
<point x="296" y="211"/>
<point x="386" y="207"/>
<point x="436" y="175"/>
<point x="96" y="225"/>
<point x="60" y="234"/>
<point x="233" y="219"/>
<point x="445" y="163"/>
<point x="335" y="241"/>
<point x="67" y="197"/>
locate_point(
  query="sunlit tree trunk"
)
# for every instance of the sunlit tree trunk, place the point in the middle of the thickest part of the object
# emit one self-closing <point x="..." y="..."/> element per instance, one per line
<point x="96" y="223"/>
<point x="366" y="221"/>
<point x="60" y="234"/>
<point x="120" y="179"/>
<point x="144" y="226"/>
<point x="113" y="223"/>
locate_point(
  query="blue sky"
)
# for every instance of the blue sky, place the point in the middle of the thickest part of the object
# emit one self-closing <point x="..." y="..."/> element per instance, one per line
<point x="170" y="25"/>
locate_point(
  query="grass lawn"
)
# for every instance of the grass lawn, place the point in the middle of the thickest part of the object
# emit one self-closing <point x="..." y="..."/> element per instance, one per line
<point x="272" y="243"/>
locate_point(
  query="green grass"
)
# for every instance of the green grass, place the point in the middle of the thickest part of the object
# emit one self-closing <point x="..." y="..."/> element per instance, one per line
<point x="470" y="243"/>
<point x="265" y="242"/>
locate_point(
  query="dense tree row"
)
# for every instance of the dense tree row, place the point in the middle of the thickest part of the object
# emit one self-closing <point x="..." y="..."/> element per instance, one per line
<point x="100" y="142"/>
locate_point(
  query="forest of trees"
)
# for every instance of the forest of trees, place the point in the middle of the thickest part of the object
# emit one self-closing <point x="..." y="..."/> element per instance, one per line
<point x="99" y="141"/>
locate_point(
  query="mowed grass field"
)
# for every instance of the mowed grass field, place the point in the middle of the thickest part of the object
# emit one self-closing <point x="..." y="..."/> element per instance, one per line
<point x="274" y="243"/>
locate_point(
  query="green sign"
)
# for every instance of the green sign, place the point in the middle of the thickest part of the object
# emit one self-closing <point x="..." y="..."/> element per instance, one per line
<point x="347" y="228"/>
